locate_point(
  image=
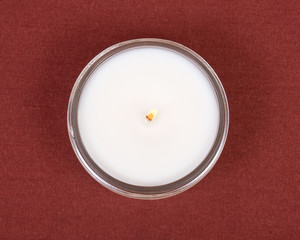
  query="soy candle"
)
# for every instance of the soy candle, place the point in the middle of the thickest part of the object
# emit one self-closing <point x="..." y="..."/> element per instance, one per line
<point x="148" y="118"/>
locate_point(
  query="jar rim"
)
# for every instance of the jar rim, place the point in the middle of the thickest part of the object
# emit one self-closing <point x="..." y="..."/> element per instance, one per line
<point x="147" y="192"/>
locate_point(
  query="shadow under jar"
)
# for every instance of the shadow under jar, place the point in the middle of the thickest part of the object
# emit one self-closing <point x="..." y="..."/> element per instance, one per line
<point x="148" y="118"/>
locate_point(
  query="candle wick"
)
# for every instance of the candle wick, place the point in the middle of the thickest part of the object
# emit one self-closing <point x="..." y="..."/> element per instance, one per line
<point x="151" y="115"/>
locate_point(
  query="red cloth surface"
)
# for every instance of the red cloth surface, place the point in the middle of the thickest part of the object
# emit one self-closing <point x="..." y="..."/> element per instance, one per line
<point x="251" y="193"/>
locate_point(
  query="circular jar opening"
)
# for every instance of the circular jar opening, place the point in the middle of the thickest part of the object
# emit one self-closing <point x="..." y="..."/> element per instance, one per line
<point x="148" y="118"/>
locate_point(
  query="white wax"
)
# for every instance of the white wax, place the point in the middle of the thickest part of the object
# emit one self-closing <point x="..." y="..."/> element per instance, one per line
<point x="112" y="116"/>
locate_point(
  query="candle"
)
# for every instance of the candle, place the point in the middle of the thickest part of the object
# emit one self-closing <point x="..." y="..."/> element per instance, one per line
<point x="147" y="115"/>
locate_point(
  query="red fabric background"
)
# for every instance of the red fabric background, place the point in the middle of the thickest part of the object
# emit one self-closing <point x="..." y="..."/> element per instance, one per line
<point x="252" y="192"/>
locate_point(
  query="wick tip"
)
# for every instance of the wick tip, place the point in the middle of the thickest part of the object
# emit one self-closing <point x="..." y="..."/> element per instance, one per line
<point x="151" y="115"/>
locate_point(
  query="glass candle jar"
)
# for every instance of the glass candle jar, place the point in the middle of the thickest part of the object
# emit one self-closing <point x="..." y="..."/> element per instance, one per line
<point x="141" y="165"/>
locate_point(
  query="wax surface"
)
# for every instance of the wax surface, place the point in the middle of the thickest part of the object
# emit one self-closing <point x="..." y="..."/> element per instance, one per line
<point x="118" y="96"/>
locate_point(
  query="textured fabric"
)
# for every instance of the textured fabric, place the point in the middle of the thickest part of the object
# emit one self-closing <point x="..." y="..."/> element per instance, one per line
<point x="251" y="193"/>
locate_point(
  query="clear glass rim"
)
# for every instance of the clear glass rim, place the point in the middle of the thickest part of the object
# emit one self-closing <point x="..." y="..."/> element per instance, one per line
<point x="145" y="192"/>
